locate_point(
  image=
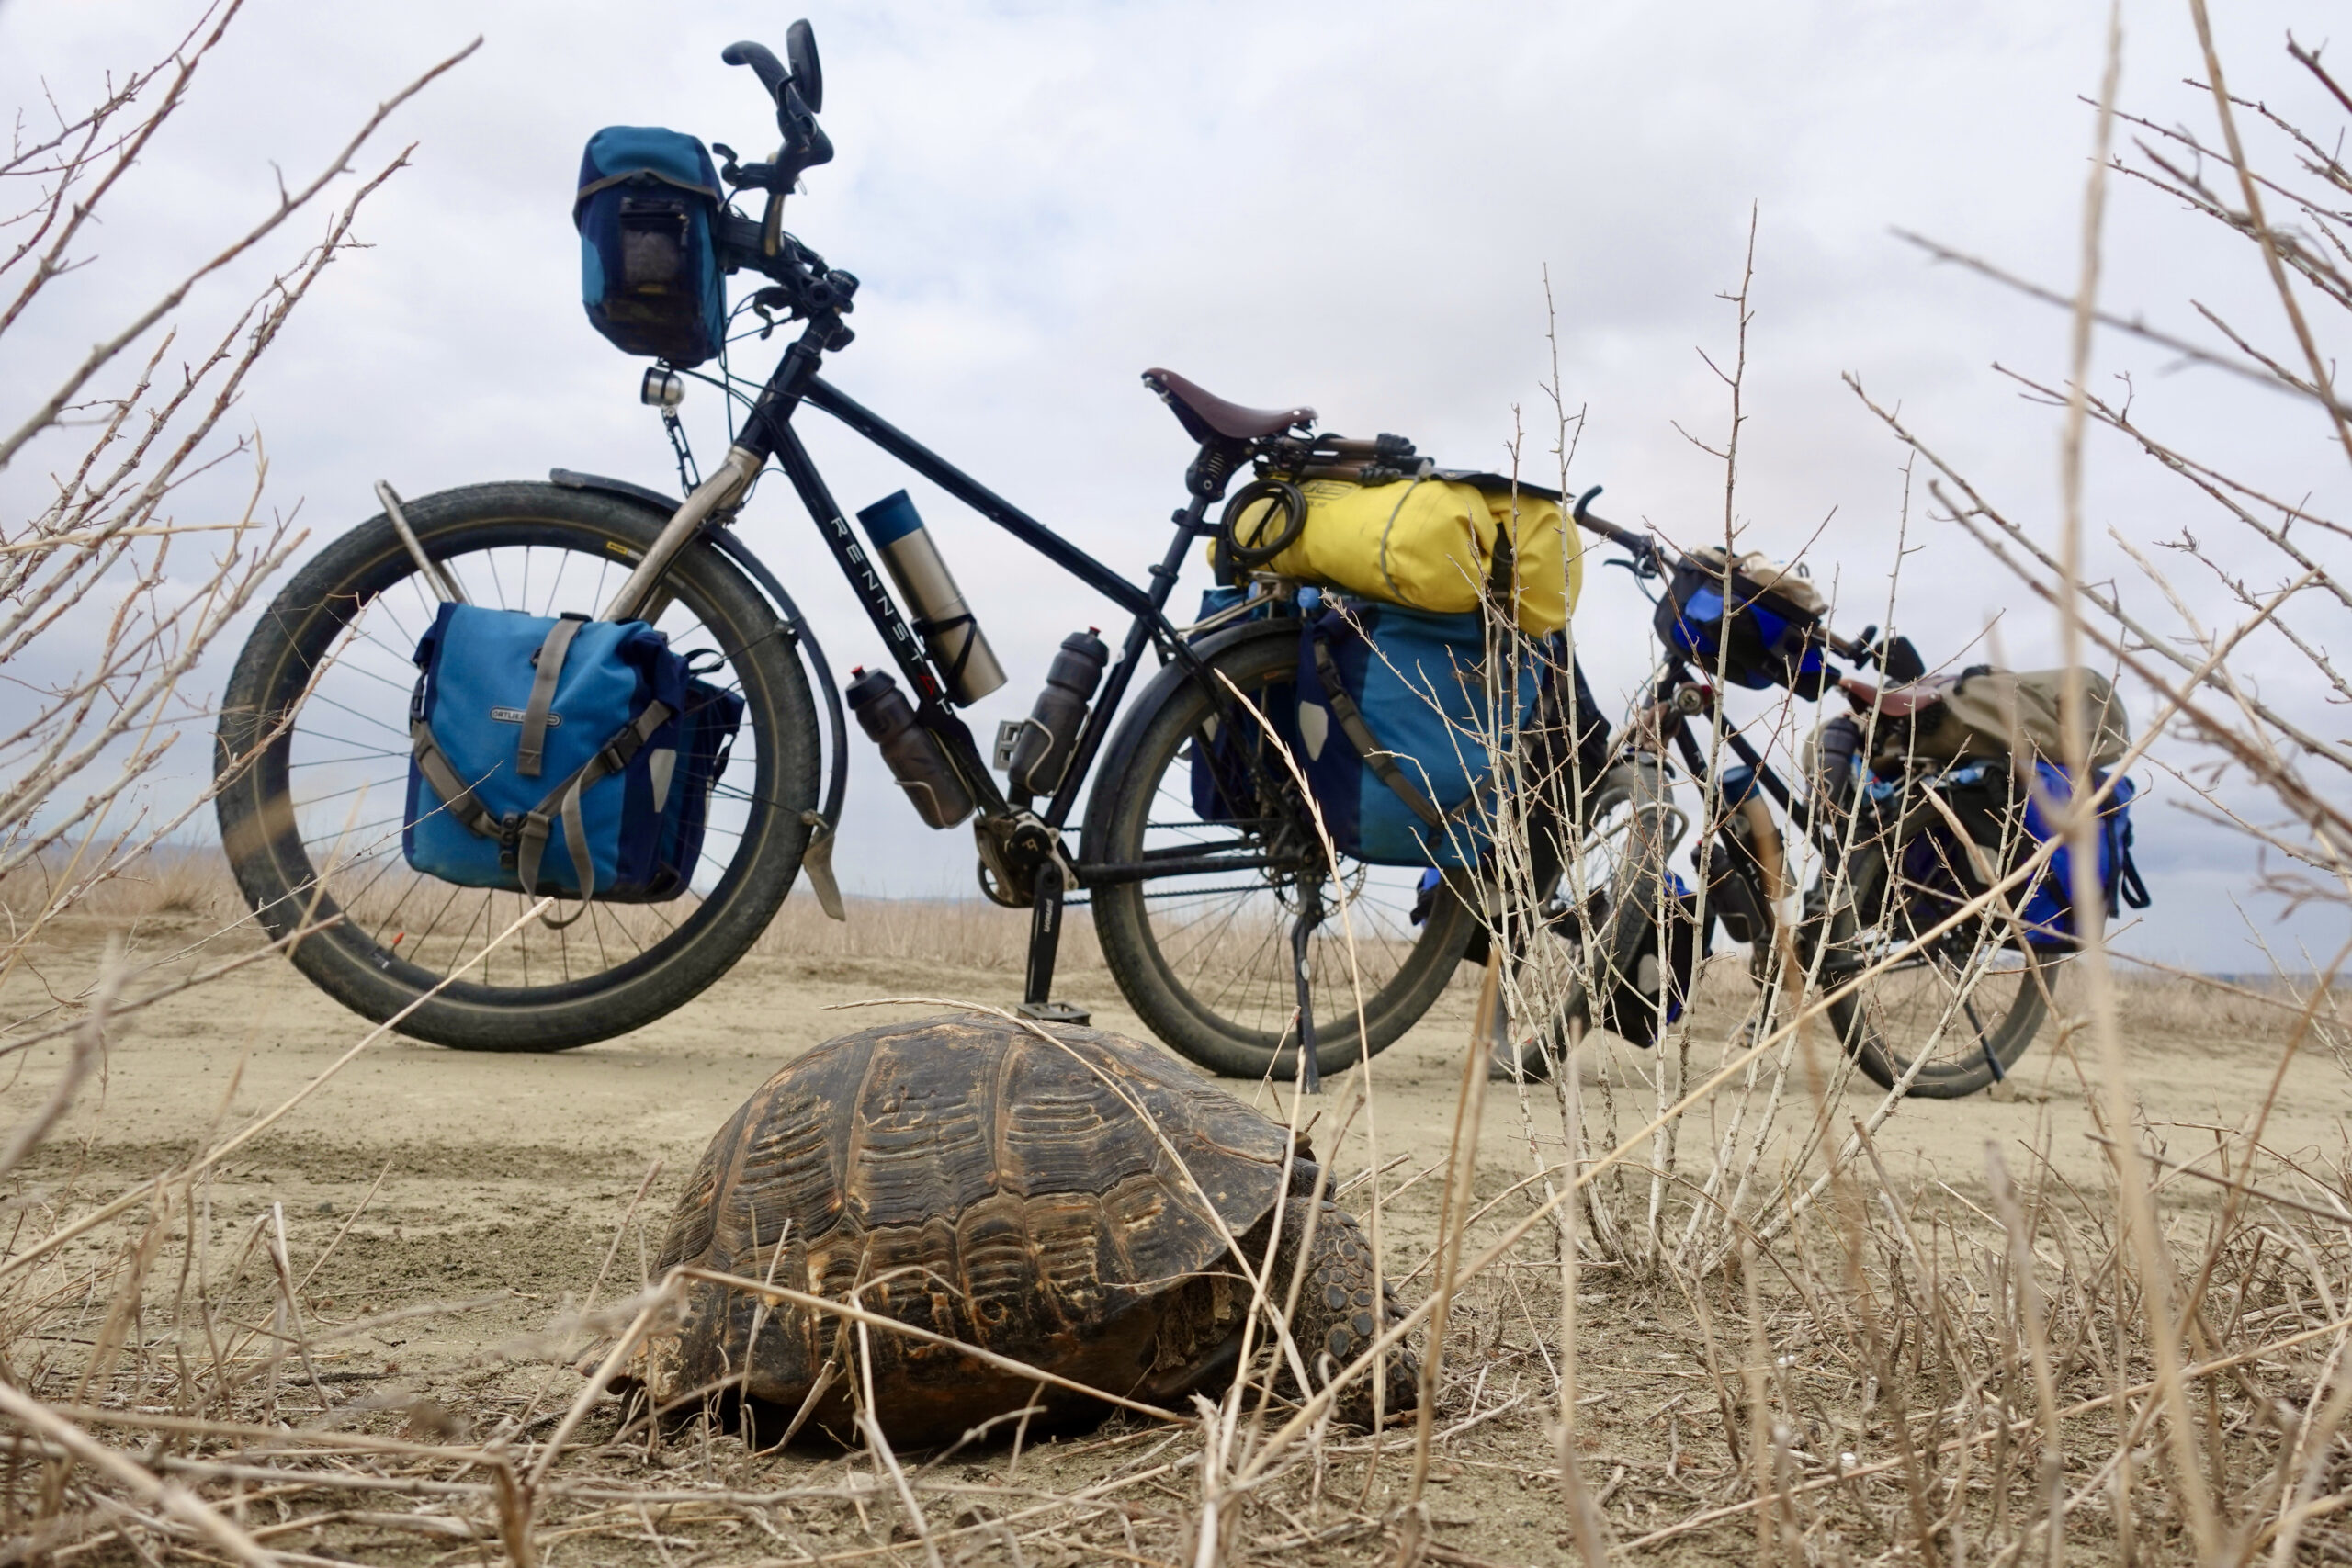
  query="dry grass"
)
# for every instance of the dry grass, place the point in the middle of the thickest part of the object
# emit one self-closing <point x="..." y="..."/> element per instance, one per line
<point x="192" y="885"/>
<point x="162" y="883"/>
<point x="1893" y="1410"/>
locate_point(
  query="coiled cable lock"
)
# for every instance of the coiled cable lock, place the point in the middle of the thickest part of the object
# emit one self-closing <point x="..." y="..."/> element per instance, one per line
<point x="1280" y="496"/>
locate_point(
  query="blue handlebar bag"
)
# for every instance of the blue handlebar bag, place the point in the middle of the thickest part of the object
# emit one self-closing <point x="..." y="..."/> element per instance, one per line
<point x="648" y="212"/>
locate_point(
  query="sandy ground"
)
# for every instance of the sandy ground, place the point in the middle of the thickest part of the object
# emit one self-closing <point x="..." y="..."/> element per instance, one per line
<point x="508" y="1175"/>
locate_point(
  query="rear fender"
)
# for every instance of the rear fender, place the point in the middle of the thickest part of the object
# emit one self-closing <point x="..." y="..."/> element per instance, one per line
<point x="1118" y="758"/>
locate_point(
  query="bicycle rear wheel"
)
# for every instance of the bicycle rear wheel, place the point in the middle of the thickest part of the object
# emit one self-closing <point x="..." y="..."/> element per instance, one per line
<point x="314" y="745"/>
<point x="1205" y="959"/>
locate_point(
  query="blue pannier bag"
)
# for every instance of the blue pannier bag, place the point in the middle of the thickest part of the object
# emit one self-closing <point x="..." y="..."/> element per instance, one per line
<point x="560" y="756"/>
<point x="1937" y="877"/>
<point x="648" y="215"/>
<point x="1393" y="722"/>
<point x="2047" y="912"/>
<point x="1224" y="761"/>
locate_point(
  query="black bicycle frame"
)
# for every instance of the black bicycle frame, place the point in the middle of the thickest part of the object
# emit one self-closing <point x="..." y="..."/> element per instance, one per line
<point x="1146" y="606"/>
<point x="768" y="433"/>
<point x="1686" y="744"/>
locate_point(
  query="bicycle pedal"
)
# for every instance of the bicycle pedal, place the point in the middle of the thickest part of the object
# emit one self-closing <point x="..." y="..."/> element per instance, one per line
<point x="1055" y="1012"/>
<point x="1510" y="1061"/>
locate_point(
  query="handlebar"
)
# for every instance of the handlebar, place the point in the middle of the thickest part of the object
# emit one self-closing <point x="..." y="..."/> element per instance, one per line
<point x="798" y="92"/>
<point x="1652" y="558"/>
<point x="1649" y="555"/>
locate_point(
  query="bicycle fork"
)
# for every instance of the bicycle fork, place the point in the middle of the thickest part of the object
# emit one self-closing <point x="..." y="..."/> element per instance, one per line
<point x="1637" y="901"/>
<point x="1780" y="905"/>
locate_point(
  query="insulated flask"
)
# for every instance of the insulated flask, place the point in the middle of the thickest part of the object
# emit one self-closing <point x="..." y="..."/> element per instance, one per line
<point x="1042" y="754"/>
<point x="913" y="756"/>
<point x="966" y="665"/>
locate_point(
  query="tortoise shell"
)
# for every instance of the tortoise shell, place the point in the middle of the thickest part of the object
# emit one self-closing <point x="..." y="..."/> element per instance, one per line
<point x="1045" y="1194"/>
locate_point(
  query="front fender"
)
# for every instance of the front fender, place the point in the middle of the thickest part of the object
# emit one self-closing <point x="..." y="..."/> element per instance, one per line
<point x="804" y="638"/>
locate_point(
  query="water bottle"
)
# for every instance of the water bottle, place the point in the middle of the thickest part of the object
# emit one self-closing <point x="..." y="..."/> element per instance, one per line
<point x="1042" y="754"/>
<point x="967" y="665"/>
<point x="1840" y="741"/>
<point x="912" y="755"/>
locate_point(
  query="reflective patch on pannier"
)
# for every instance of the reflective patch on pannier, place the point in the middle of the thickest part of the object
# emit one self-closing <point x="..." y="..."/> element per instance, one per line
<point x="560" y="756"/>
<point x="648" y="213"/>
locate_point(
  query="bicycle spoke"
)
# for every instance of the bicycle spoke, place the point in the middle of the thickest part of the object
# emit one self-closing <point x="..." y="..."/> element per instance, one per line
<point x="555" y="589"/>
<point x="438" y="915"/>
<point x="414" y="882"/>
<point x="356" y="757"/>
<point x="369" y="718"/>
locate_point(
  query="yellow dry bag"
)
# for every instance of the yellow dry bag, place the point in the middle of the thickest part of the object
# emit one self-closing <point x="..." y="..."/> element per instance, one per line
<point x="1426" y="543"/>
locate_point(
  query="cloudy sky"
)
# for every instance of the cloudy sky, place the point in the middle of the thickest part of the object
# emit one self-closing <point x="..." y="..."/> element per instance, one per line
<point x="1355" y="205"/>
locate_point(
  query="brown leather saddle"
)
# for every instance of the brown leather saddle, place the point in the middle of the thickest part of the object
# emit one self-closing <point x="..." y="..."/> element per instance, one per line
<point x="1208" y="417"/>
<point x="1895" y="703"/>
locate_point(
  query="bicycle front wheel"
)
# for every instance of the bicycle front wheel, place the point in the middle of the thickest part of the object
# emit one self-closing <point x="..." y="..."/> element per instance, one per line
<point x="1205" y="958"/>
<point x="313" y="747"/>
<point x="1961" y="1007"/>
<point x="1605" y="928"/>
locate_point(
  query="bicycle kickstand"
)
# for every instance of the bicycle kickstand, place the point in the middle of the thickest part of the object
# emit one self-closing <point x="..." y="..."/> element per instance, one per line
<point x="1045" y="946"/>
<point x="1310" y="915"/>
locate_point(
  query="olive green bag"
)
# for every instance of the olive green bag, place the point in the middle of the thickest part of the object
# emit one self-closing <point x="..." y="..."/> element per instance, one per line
<point x="2010" y="713"/>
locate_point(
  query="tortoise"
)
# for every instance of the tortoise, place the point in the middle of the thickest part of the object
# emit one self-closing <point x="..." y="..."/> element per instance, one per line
<point x="992" y="1182"/>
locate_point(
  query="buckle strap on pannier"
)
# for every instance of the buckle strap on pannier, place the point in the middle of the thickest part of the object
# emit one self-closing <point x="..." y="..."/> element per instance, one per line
<point x="530" y="830"/>
<point x="457" y="796"/>
<point x="2128" y="884"/>
<point x="522" y="837"/>
<point x="530" y="752"/>
<point x="1378" y="758"/>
